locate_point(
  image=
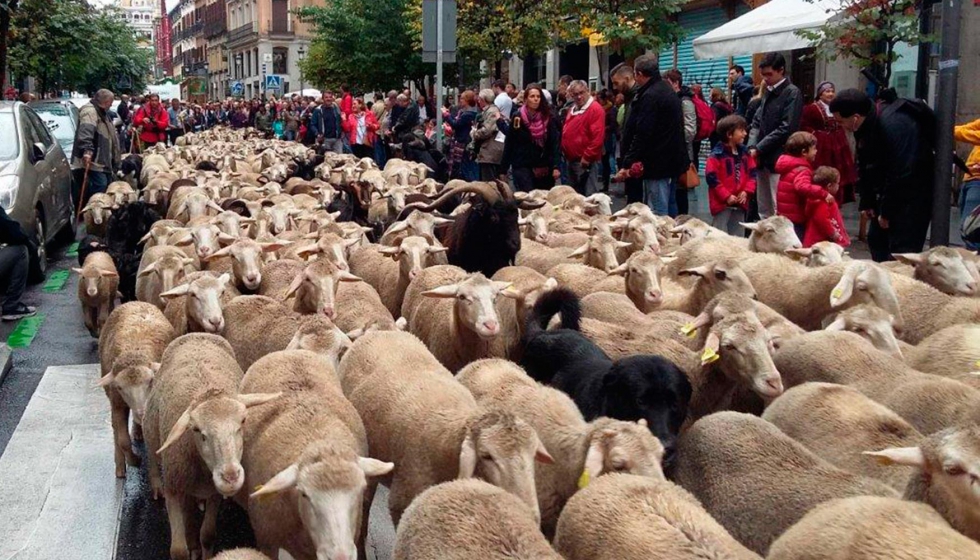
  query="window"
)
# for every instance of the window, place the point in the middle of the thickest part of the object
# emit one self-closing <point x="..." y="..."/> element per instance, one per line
<point x="248" y="63"/>
<point x="280" y="60"/>
<point x="255" y="57"/>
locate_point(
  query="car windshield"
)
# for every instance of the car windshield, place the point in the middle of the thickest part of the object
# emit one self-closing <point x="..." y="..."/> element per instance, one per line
<point x="9" y="145"/>
<point x="58" y="120"/>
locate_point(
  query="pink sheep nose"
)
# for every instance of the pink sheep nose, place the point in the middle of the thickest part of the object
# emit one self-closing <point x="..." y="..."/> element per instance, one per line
<point x="252" y="278"/>
<point x="654" y="295"/>
<point x="329" y="311"/>
<point x="230" y="474"/>
<point x="343" y="266"/>
<point x="491" y="326"/>
<point x="412" y="274"/>
<point x="204" y="251"/>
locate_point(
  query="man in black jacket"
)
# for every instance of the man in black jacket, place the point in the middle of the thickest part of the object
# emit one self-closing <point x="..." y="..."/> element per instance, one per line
<point x="778" y="117"/>
<point x="624" y="82"/>
<point x="895" y="158"/>
<point x="653" y="138"/>
<point x="14" y="259"/>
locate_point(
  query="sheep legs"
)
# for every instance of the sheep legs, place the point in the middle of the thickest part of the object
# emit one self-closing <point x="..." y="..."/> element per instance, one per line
<point x="91" y="316"/>
<point x="177" y="512"/>
<point x="403" y="490"/>
<point x="124" y="447"/>
<point x="372" y="487"/>
<point x="209" y="527"/>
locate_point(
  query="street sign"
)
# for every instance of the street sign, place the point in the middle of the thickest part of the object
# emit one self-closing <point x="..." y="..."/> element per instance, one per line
<point x="430" y="39"/>
<point x="267" y="57"/>
<point x="237" y="89"/>
<point x="264" y="68"/>
<point x="273" y="82"/>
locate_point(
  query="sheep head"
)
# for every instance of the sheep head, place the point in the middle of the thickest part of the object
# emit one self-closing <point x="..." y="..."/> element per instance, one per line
<point x="216" y="423"/>
<point x="600" y="252"/>
<point x="316" y="287"/>
<point x="942" y="268"/>
<point x="412" y="254"/>
<point x="642" y="272"/>
<point x="864" y="282"/>
<point x="617" y="446"/>
<point x="246" y="258"/>
<point x="132" y="376"/>
<point x="774" y="234"/>
<point x="743" y="349"/>
<point x="870" y="322"/>
<point x="203" y="301"/>
<point x="318" y="334"/>
<point x="475" y="306"/>
<point x="720" y="276"/>
<point x="822" y="253"/>
<point x="501" y="448"/>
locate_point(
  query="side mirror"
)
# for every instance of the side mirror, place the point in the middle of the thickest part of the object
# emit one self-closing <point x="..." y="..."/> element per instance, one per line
<point x="37" y="152"/>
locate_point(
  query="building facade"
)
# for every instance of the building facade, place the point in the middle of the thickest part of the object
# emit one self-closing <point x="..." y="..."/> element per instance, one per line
<point x="140" y="15"/>
<point x="163" y="43"/>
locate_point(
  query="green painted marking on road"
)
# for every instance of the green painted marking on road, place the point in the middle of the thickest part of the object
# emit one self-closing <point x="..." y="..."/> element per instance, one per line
<point x="72" y="250"/>
<point x="56" y="282"/>
<point x="25" y="331"/>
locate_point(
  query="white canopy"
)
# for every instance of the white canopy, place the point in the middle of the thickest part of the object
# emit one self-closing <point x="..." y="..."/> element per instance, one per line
<point x="310" y="92"/>
<point x="770" y="27"/>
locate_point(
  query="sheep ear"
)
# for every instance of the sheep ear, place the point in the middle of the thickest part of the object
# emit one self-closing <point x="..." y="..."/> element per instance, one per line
<point x="145" y="238"/>
<point x="150" y="268"/>
<point x="389" y="251"/>
<point x="701" y="321"/>
<point x="345" y="276"/>
<point x="185" y="239"/>
<point x="595" y="460"/>
<point x="296" y="283"/>
<point x="313" y="235"/>
<point x="800" y="253"/>
<point x="503" y="288"/>
<point x="701" y="271"/>
<point x="467" y="457"/>
<point x="710" y="352"/>
<point x="274" y="245"/>
<point x="307" y="250"/>
<point x="181" y="208"/>
<point x="580" y="251"/>
<point x="619" y="270"/>
<point x="226" y="239"/>
<point x="76" y="270"/>
<point x="911" y="259"/>
<point x="178" y="430"/>
<point x="902" y="456"/>
<point x="284" y="480"/>
<point x="437" y="249"/>
<point x="106" y="380"/>
<point x="751" y="226"/>
<point x="845" y="288"/>
<point x="443" y="291"/>
<point x="836" y="325"/>
<point x="223" y="252"/>
<point x="254" y="399"/>
<point x="176" y="292"/>
<point x="374" y="467"/>
<point x="542" y="456"/>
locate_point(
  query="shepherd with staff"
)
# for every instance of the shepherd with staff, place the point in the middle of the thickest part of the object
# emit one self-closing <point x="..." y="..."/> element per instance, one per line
<point x="95" y="154"/>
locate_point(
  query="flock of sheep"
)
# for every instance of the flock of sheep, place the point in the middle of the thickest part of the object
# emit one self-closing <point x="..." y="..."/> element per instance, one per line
<point x="532" y="376"/>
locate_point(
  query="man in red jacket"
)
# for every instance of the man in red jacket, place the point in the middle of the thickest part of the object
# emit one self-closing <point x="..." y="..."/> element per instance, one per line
<point x="151" y="120"/>
<point x="582" y="138"/>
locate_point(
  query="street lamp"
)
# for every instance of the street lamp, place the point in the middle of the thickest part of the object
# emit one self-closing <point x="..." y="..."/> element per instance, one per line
<point x="302" y="56"/>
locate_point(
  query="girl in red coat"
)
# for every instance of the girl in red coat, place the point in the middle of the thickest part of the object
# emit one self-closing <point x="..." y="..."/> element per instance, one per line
<point x="795" y="168"/>
<point x="730" y="173"/>
<point x="823" y="219"/>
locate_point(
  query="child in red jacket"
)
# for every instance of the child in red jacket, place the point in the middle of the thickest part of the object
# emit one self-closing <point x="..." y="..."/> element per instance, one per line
<point x="795" y="168"/>
<point x="730" y="173"/>
<point x="823" y="219"/>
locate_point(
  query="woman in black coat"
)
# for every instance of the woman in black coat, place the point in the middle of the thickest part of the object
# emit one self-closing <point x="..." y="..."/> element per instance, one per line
<point x="532" y="146"/>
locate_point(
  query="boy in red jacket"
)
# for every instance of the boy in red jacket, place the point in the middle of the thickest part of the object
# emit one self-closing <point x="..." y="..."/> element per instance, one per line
<point x="823" y="219"/>
<point x="730" y="173"/>
<point x="795" y="169"/>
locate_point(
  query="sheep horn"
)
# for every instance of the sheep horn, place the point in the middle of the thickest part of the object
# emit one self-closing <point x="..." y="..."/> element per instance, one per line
<point x="486" y="190"/>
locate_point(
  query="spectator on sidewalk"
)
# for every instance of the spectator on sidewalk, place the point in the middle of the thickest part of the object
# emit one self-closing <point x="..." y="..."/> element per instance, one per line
<point x="582" y="138"/>
<point x="532" y="147"/>
<point x="730" y="174"/>
<point x="896" y="160"/>
<point x="488" y="138"/>
<point x="823" y="218"/>
<point x="362" y="130"/>
<point x="970" y="191"/>
<point x="151" y="122"/>
<point x="721" y="109"/>
<point x="502" y="100"/>
<point x="653" y="140"/>
<point x="624" y="83"/>
<point x="776" y="119"/>
<point x="690" y="127"/>
<point x="327" y="125"/>
<point x="461" y="161"/>
<point x="96" y="146"/>
<point x="175" y="121"/>
<point x="833" y="148"/>
<point x="796" y="188"/>
<point x="14" y="262"/>
<point x="346" y="100"/>
<point x="742" y="89"/>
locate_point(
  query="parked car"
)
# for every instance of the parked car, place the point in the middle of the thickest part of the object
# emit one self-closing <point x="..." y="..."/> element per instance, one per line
<point x="61" y="118"/>
<point x="35" y="178"/>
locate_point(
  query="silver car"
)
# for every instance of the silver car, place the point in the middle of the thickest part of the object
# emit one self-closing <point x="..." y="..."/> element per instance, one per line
<point x="61" y="118"/>
<point x="35" y="179"/>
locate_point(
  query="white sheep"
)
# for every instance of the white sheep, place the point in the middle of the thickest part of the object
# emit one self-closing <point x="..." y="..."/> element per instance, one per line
<point x="196" y="304"/>
<point x="97" y="290"/>
<point x="244" y="256"/>
<point x="306" y="458"/>
<point x="943" y="268"/>
<point x="466" y="519"/>
<point x="423" y="420"/>
<point x="390" y="269"/>
<point x="821" y="253"/>
<point x="312" y="287"/>
<point x="196" y="390"/>
<point x="161" y="268"/>
<point x="130" y="348"/>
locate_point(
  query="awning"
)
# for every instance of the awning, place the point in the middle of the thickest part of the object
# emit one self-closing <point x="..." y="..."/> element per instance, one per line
<point x="770" y="27"/>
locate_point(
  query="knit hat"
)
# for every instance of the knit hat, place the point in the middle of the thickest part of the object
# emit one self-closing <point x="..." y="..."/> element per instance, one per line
<point x="824" y="86"/>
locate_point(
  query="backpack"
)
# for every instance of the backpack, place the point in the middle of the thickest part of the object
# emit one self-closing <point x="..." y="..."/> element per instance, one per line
<point x="706" y="119"/>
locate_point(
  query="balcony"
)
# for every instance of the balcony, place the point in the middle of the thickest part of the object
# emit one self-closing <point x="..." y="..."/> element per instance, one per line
<point x="243" y="33"/>
<point x="279" y="28"/>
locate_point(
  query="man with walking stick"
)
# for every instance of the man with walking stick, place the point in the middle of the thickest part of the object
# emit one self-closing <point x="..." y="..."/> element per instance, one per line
<point x="95" y="154"/>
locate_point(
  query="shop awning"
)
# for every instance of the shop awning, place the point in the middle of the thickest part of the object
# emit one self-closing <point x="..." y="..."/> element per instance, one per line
<point x="770" y="27"/>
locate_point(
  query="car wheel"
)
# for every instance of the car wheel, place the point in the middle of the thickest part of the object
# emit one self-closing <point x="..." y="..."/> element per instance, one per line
<point x="42" y="248"/>
<point x="67" y="233"/>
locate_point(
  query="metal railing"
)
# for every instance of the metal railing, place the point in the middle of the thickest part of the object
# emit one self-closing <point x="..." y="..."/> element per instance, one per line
<point x="243" y="31"/>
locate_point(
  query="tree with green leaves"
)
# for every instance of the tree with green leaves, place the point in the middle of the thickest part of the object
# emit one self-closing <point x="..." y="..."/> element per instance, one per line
<point x="866" y="32"/>
<point x="630" y="26"/>
<point x="7" y="9"/>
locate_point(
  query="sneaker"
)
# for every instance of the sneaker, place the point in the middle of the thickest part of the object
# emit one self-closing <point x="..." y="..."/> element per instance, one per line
<point x="19" y="312"/>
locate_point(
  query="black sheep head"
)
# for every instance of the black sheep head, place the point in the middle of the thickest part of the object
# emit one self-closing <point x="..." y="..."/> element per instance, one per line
<point x="650" y="388"/>
<point x="486" y="238"/>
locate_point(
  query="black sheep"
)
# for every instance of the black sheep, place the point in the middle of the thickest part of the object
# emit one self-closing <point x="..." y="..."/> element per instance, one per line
<point x="126" y="227"/>
<point x="131" y="168"/>
<point x="206" y="166"/>
<point x="644" y="386"/>
<point x="90" y="244"/>
<point x="486" y="237"/>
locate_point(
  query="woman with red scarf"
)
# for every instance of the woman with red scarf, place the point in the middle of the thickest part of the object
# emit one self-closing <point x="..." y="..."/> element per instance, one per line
<point x="833" y="148"/>
<point x="531" y="149"/>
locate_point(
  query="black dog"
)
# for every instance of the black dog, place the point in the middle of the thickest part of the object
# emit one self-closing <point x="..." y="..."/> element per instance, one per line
<point x="645" y="386"/>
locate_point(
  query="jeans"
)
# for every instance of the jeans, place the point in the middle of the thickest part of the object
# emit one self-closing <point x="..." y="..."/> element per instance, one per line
<point x="765" y="193"/>
<point x="524" y="180"/>
<point x="289" y="135"/>
<point x="728" y="221"/>
<point x="98" y="182"/>
<point x="174" y="134"/>
<point x="585" y="180"/>
<point x="661" y="196"/>
<point x="969" y="200"/>
<point x="335" y="145"/>
<point x="380" y="154"/>
<point x="13" y="272"/>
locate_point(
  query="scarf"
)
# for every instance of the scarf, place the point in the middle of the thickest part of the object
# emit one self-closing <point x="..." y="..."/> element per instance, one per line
<point x="536" y="125"/>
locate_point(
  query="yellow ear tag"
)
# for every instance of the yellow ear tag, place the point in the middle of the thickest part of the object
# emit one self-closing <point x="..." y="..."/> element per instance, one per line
<point x="262" y="496"/>
<point x="837" y="293"/>
<point x="689" y="330"/>
<point x="584" y="480"/>
<point x="709" y="356"/>
<point x="977" y="363"/>
<point x="883" y="461"/>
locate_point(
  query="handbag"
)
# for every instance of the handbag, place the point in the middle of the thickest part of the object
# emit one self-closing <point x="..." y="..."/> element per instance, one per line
<point x="689" y="179"/>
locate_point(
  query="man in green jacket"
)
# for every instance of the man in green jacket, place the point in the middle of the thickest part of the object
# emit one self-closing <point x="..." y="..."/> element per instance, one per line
<point x="96" y="146"/>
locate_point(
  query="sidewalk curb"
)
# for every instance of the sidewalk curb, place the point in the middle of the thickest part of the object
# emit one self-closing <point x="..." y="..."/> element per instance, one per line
<point x="6" y="361"/>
